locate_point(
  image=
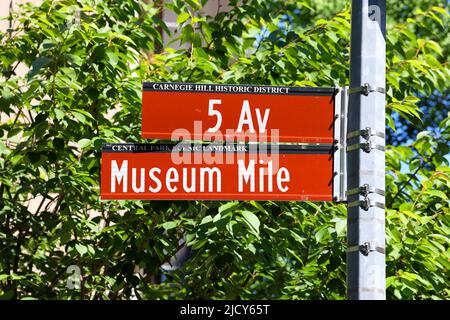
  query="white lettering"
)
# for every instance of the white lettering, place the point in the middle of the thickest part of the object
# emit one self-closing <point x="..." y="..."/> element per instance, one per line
<point x="210" y="172"/>
<point x="171" y="176"/>
<point x="119" y="175"/>
<point x="269" y="176"/>
<point x="281" y="179"/>
<point x="185" y="186"/>
<point x="133" y="180"/>
<point x="245" y="117"/>
<point x="262" y="123"/>
<point x="151" y="173"/>
<point x="246" y="174"/>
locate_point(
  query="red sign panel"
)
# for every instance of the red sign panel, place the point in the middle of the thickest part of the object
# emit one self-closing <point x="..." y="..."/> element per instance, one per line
<point x="213" y="112"/>
<point x="216" y="172"/>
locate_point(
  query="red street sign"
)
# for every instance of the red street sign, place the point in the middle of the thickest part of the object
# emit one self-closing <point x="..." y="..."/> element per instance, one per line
<point x="213" y="112"/>
<point x="216" y="172"/>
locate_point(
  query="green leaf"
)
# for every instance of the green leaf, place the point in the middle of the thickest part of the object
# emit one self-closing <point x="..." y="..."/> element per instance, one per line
<point x="430" y="44"/>
<point x="59" y="114"/>
<point x="6" y="93"/>
<point x="292" y="252"/>
<point x="322" y="234"/>
<point x="252" y="220"/>
<point x="390" y="122"/>
<point x="84" y="113"/>
<point x="411" y="99"/>
<point x="84" y="143"/>
<point x="37" y="65"/>
<point x="183" y="17"/>
<point x="82" y="249"/>
<point x="217" y="217"/>
<point x="258" y="206"/>
<point x="437" y="193"/>
<point x="341" y="227"/>
<point x="411" y="215"/>
<point x="113" y="58"/>
<point x="206" y="219"/>
<point x="441" y="10"/>
<point x="198" y="244"/>
<point x="296" y="237"/>
<point x="3" y="148"/>
<point x="229" y="206"/>
<point x="122" y="37"/>
<point x="251" y="248"/>
<point x="230" y="226"/>
<point x="169" y="225"/>
<point x="390" y="281"/>
<point x="76" y="60"/>
<point x="79" y="116"/>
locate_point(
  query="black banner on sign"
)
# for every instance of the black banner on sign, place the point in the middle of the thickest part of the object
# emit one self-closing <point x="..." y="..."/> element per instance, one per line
<point x="235" y="88"/>
<point x="213" y="147"/>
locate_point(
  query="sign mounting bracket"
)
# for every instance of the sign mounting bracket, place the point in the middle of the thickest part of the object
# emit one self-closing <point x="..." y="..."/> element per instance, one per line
<point x="340" y="145"/>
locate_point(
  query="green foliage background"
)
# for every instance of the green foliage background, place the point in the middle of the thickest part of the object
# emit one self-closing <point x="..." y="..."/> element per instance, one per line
<point x="88" y="59"/>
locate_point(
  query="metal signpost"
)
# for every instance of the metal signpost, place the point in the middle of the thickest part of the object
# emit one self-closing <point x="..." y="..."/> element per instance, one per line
<point x="335" y="153"/>
<point x="365" y="152"/>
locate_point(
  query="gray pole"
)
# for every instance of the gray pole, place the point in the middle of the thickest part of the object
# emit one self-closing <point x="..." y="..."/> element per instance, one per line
<point x="366" y="270"/>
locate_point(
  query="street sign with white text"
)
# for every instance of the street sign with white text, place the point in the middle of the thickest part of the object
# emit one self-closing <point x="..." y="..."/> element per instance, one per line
<point x="216" y="172"/>
<point x="213" y="112"/>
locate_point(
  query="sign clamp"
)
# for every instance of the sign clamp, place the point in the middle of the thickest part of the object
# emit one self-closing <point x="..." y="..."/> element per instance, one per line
<point x="366" y="147"/>
<point x="366" y="133"/>
<point x="365" y="190"/>
<point x="366" y="248"/>
<point x="365" y="89"/>
<point x="366" y="204"/>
